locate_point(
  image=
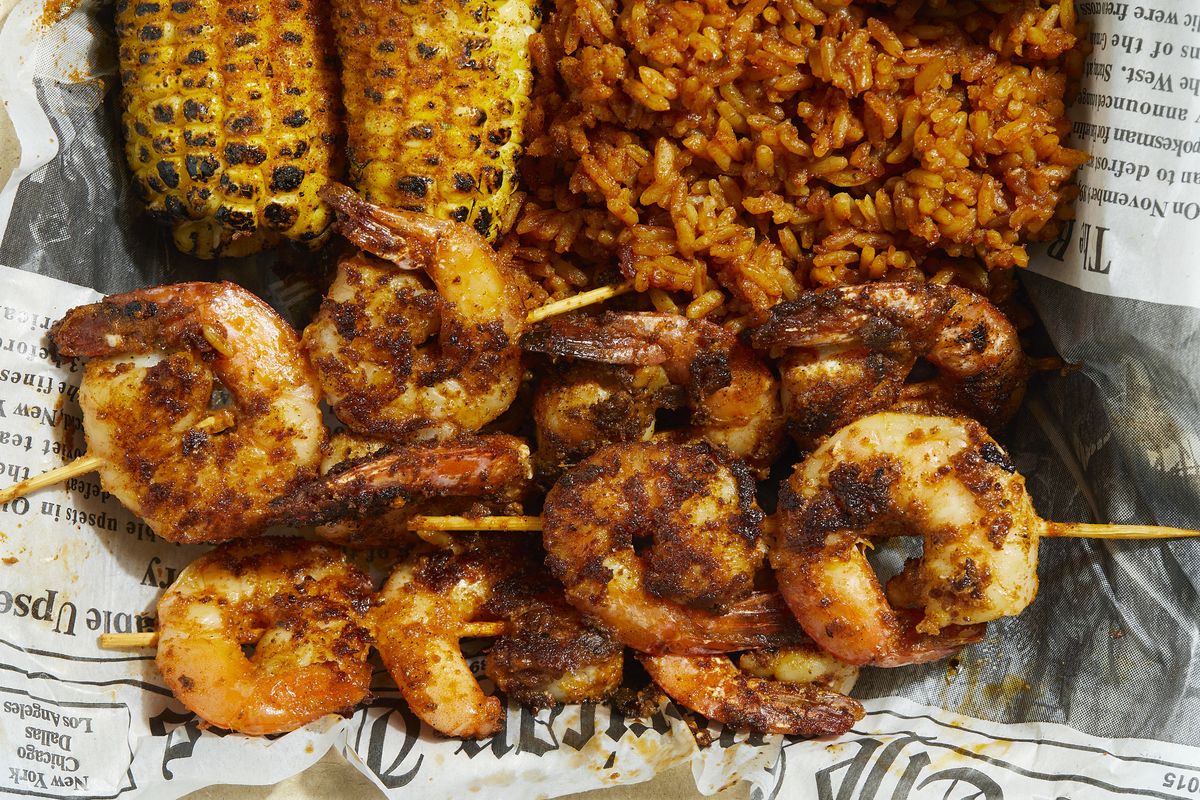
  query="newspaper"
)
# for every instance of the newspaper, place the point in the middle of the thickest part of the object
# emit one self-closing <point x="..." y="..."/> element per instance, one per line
<point x="1093" y="691"/>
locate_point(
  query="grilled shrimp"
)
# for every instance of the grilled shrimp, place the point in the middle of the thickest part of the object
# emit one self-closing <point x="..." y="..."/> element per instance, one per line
<point x="895" y="474"/>
<point x="691" y="590"/>
<point x="156" y="357"/>
<point x="713" y="686"/>
<point x="579" y="409"/>
<point x="425" y="604"/>
<point x="549" y="653"/>
<point x="847" y="352"/>
<point x="405" y="355"/>
<point x="367" y="501"/>
<point x="733" y="395"/>
<point x="300" y="604"/>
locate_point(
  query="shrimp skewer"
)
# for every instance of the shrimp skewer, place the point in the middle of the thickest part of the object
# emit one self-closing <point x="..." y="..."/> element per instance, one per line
<point x="811" y="701"/>
<point x="733" y="395"/>
<point x="424" y="605"/>
<point x="578" y="301"/>
<point x="846" y="352"/>
<point x="1072" y="530"/>
<point x="405" y="355"/>
<point x="486" y="474"/>
<point x="301" y="604"/>
<point x="692" y="590"/>
<point x="156" y="356"/>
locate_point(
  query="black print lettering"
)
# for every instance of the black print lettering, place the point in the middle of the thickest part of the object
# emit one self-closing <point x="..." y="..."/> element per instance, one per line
<point x="1093" y="256"/>
<point x="576" y="739"/>
<point x="1058" y="248"/>
<point x="396" y="773"/>
<point x="181" y="740"/>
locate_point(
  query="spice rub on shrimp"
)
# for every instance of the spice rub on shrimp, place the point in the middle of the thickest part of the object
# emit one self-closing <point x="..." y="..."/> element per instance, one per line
<point x="848" y="351"/>
<point x="417" y="336"/>
<point x="691" y="590"/>
<point x="368" y="500"/>
<point x="300" y="604"/>
<point x="157" y="355"/>
<point x="813" y="703"/>
<point x="582" y="407"/>
<point x="424" y="606"/>
<point x="550" y="653"/>
<point x="732" y="394"/>
<point x="893" y="474"/>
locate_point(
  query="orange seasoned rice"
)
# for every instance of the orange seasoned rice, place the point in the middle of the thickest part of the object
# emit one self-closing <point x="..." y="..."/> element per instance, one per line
<point x="726" y="154"/>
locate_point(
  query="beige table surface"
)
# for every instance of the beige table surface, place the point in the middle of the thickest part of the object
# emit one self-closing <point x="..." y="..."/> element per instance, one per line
<point x="333" y="777"/>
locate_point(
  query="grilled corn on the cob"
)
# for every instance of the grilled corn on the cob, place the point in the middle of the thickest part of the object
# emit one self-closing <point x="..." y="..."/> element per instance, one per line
<point x="231" y="118"/>
<point x="436" y="95"/>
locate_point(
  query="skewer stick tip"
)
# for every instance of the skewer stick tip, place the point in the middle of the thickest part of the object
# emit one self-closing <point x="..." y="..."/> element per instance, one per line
<point x="128" y="641"/>
<point x="80" y="466"/>
<point x="482" y="630"/>
<point x="581" y="300"/>
<point x="1092" y="530"/>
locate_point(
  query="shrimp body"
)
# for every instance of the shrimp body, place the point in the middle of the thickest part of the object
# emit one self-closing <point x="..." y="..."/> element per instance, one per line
<point x="403" y="354"/>
<point x="690" y="590"/>
<point x="902" y="474"/>
<point x="800" y="663"/>
<point x="713" y="686"/>
<point x="846" y="352"/>
<point x="424" y="604"/>
<point x="550" y="653"/>
<point x="157" y="354"/>
<point x="580" y="409"/>
<point x="733" y="395"/>
<point x="302" y="606"/>
<point x="368" y="500"/>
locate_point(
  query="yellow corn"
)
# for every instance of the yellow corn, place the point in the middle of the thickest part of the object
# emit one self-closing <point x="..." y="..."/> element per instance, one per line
<point x="436" y="94"/>
<point x="231" y="117"/>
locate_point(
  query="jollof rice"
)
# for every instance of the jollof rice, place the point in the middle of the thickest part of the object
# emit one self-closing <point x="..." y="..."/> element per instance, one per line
<point x="726" y="154"/>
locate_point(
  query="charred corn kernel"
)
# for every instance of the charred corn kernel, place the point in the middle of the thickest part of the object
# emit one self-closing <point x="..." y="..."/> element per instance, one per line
<point x="231" y="116"/>
<point x="436" y="93"/>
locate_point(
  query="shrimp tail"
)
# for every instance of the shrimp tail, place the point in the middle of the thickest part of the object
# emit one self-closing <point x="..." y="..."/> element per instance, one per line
<point x="895" y="315"/>
<point x="913" y="647"/>
<point x="760" y="621"/>
<point x="141" y="321"/>
<point x="469" y="466"/>
<point x="397" y="236"/>
<point x="609" y="340"/>
<point x="800" y="709"/>
<point x="713" y="686"/>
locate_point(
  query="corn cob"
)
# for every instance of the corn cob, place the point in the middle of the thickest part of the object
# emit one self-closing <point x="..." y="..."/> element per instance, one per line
<point x="436" y="95"/>
<point x="231" y="116"/>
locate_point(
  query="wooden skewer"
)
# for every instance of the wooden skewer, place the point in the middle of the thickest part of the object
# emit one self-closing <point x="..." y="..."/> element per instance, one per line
<point x="1082" y="530"/>
<point x="87" y="462"/>
<point x="482" y="630"/>
<point x="580" y="300"/>
<point x="139" y="641"/>
<point x="81" y="466"/>
<point x="476" y="523"/>
<point x="1047" y="364"/>
<point x="128" y="641"/>
<point x="1093" y="530"/>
